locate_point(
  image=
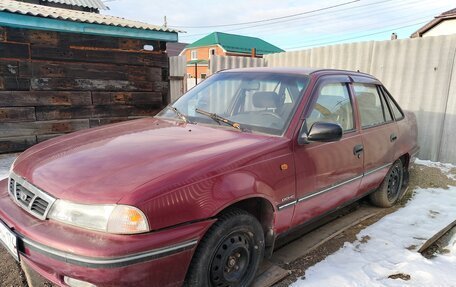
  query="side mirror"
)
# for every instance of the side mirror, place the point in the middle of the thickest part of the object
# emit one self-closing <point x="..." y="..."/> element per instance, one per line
<point x="320" y="132"/>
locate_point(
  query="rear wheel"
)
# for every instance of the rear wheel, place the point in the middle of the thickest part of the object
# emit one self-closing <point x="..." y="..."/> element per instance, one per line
<point x="230" y="252"/>
<point x="390" y="190"/>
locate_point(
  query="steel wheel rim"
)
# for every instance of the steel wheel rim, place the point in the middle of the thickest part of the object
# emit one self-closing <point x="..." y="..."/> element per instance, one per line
<point x="231" y="261"/>
<point x="394" y="183"/>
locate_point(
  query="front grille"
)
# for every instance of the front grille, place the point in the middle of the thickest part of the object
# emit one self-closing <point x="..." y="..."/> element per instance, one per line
<point x="29" y="197"/>
<point x="11" y="186"/>
<point x="23" y="196"/>
<point x="39" y="206"/>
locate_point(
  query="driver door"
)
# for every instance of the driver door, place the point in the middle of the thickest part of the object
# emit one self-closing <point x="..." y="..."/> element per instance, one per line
<point x="328" y="173"/>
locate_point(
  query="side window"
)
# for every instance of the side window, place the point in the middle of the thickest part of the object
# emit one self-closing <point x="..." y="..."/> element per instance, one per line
<point x="372" y="106"/>
<point x="211" y="52"/>
<point x="398" y="115"/>
<point x="333" y="105"/>
<point x="194" y="54"/>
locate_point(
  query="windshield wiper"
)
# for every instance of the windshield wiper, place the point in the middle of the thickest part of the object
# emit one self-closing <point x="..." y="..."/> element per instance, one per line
<point x="220" y="119"/>
<point x="178" y="113"/>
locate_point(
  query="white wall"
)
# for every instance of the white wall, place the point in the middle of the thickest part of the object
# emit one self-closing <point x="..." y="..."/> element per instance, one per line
<point x="447" y="27"/>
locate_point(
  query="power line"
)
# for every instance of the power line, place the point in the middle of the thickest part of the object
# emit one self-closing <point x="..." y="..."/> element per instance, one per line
<point x="277" y="30"/>
<point x="319" y="24"/>
<point x="270" y="19"/>
<point x="369" y="28"/>
<point x="362" y="36"/>
<point x="288" y="20"/>
<point x="384" y="10"/>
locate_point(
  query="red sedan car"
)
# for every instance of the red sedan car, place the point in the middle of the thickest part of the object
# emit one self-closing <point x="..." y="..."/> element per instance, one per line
<point x="198" y="195"/>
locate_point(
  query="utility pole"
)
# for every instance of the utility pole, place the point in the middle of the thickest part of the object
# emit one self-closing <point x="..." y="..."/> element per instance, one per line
<point x="165" y="24"/>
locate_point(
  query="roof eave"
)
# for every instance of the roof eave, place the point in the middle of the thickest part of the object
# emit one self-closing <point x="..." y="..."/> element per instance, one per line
<point x="437" y="20"/>
<point x="99" y="5"/>
<point x="39" y="23"/>
<point x="258" y="52"/>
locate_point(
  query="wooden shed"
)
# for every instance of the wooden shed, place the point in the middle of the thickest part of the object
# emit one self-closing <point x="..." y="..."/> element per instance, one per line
<point x="63" y="70"/>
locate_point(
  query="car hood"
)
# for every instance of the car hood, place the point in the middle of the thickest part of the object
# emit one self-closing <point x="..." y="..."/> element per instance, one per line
<point x="103" y="165"/>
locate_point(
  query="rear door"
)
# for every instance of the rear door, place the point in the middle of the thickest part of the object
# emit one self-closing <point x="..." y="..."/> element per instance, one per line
<point x="328" y="174"/>
<point x="379" y="131"/>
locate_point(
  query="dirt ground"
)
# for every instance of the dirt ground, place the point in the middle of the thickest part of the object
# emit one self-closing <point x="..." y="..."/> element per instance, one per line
<point x="421" y="176"/>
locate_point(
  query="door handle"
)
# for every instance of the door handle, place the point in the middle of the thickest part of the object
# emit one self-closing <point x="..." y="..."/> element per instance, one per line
<point x="358" y="150"/>
<point x="393" y="137"/>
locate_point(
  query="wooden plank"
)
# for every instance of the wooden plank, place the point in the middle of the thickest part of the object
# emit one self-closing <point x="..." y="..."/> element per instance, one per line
<point x="42" y="127"/>
<point x="271" y="276"/>
<point x="105" y="121"/>
<point x="9" y="68"/>
<point x="53" y="39"/>
<point x="42" y="138"/>
<point x="14" y="144"/>
<point x="15" y="114"/>
<point x="78" y="112"/>
<point x="14" y="84"/>
<point x="67" y="84"/>
<point x="436" y="237"/>
<point x="135" y="44"/>
<point x="14" y="50"/>
<point x="100" y="56"/>
<point x="34" y="37"/>
<point x="2" y="34"/>
<point x="127" y="98"/>
<point x="44" y="98"/>
<point x="319" y="236"/>
<point x="98" y="71"/>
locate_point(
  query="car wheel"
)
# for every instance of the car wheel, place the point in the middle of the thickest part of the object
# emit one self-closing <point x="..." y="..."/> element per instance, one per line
<point x="390" y="190"/>
<point x="230" y="252"/>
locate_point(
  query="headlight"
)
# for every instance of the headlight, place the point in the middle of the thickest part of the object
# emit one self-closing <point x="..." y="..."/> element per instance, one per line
<point x="112" y="218"/>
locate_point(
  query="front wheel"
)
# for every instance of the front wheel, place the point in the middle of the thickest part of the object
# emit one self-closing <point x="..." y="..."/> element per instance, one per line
<point x="230" y="252"/>
<point x="390" y="190"/>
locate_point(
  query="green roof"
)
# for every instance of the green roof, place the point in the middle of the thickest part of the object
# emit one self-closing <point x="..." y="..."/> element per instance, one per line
<point x="236" y="43"/>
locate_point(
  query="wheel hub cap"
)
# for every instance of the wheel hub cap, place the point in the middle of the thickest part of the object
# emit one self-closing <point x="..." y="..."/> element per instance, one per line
<point x="231" y="261"/>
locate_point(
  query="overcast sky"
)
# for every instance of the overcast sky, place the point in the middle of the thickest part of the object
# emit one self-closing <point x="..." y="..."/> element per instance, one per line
<point x="350" y="21"/>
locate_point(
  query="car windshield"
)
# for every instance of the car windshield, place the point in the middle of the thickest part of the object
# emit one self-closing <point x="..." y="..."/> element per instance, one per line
<point x="256" y="101"/>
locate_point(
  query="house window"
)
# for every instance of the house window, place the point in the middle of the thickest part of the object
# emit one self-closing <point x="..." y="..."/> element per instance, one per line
<point x="203" y="76"/>
<point x="194" y="54"/>
<point x="211" y="52"/>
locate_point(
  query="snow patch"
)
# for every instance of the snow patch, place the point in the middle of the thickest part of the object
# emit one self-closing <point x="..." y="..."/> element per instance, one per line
<point x="391" y="249"/>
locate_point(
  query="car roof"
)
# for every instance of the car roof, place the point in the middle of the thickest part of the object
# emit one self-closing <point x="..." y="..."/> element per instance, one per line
<point x="300" y="71"/>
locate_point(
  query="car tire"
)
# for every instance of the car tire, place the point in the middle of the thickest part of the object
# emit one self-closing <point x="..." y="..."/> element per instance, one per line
<point x="390" y="190"/>
<point x="230" y="252"/>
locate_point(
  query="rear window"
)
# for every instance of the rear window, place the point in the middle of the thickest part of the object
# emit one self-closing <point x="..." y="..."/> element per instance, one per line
<point x="372" y="106"/>
<point x="398" y="114"/>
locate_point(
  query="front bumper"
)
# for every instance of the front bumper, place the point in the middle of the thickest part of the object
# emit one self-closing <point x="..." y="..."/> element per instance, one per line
<point x="54" y="250"/>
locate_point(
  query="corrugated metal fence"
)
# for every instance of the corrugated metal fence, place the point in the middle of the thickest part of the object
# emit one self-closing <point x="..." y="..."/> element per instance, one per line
<point x="177" y="77"/>
<point x="419" y="72"/>
<point x="218" y="63"/>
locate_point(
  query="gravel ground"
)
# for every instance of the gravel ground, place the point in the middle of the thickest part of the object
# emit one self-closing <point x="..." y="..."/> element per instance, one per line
<point x="421" y="176"/>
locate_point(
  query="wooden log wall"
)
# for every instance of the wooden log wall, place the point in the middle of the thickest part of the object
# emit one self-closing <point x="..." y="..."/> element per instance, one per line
<point x="54" y="83"/>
